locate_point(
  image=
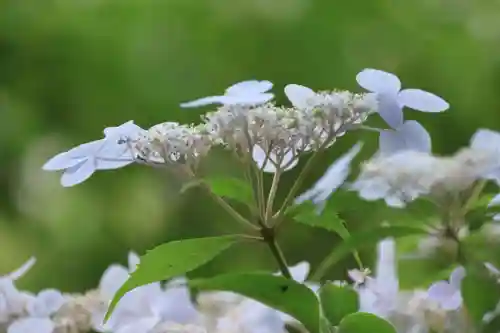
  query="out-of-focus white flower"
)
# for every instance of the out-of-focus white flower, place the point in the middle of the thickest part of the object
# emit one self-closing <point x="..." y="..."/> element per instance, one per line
<point x="40" y="309"/>
<point x="82" y="161"/>
<point x="378" y="294"/>
<point x="392" y="99"/>
<point x="488" y="141"/>
<point x="447" y="293"/>
<point x="12" y="301"/>
<point x="144" y="308"/>
<point x="250" y="92"/>
<point x="404" y="175"/>
<point x="411" y="135"/>
<point x="333" y="178"/>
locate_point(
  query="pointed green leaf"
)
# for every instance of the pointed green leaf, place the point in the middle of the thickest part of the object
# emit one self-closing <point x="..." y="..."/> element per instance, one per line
<point x="480" y="292"/>
<point x="338" y="302"/>
<point x="362" y="322"/>
<point x="278" y="292"/>
<point x="173" y="259"/>
<point x="231" y="188"/>
<point x="307" y="214"/>
<point x="361" y="240"/>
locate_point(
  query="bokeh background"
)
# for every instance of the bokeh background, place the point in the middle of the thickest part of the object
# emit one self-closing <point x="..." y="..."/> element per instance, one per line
<point x="69" y="68"/>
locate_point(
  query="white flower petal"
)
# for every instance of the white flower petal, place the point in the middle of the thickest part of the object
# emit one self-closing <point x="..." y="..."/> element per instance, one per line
<point x="140" y="325"/>
<point x="390" y="110"/>
<point x="61" y="161"/>
<point x="486" y="139"/>
<point x="46" y="303"/>
<point x="78" y="173"/>
<point x="333" y="178"/>
<point x="125" y="129"/>
<point x="390" y="142"/>
<point x="133" y="261"/>
<point x="422" y="101"/>
<point x="299" y="95"/>
<point x="250" y="87"/>
<point x="175" y="303"/>
<point x="21" y="271"/>
<point x="378" y="81"/>
<point x="456" y="277"/>
<point x="410" y="136"/>
<point x="74" y="156"/>
<point x="440" y="291"/>
<point x="206" y="101"/>
<point x="250" y="99"/>
<point x="491" y="268"/>
<point x="31" y="325"/>
<point x="452" y="303"/>
<point x="300" y="271"/>
<point x="246" y="99"/>
<point x="112" y="279"/>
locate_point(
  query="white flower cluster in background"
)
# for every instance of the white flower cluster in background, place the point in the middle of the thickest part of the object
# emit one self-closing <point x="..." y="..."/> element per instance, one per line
<point x="169" y="307"/>
<point x="153" y="308"/>
<point x="436" y="309"/>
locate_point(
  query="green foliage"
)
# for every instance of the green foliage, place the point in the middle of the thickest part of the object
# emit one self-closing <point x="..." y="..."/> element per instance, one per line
<point x="361" y="240"/>
<point x="231" y="188"/>
<point x="305" y="213"/>
<point x="338" y="302"/>
<point x="365" y="323"/>
<point x="278" y="292"/>
<point x="480" y="292"/>
<point x="173" y="259"/>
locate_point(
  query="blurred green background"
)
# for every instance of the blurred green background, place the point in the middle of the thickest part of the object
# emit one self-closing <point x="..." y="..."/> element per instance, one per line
<point x="69" y="68"/>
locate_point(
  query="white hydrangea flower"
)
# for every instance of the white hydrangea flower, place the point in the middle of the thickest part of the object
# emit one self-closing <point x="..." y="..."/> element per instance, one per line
<point x="250" y="92"/>
<point x="447" y="293"/>
<point x="12" y="301"/>
<point x="82" y="161"/>
<point x="392" y="99"/>
<point x="411" y="135"/>
<point x="40" y="310"/>
<point x="333" y="178"/>
<point x="403" y="176"/>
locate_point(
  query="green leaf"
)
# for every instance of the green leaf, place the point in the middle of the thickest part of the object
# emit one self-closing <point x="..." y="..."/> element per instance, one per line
<point x="362" y="322"/>
<point x="480" y="292"/>
<point x="278" y="292"/>
<point x="361" y="240"/>
<point x="306" y="213"/>
<point x="338" y="302"/>
<point x="173" y="259"/>
<point x="231" y="188"/>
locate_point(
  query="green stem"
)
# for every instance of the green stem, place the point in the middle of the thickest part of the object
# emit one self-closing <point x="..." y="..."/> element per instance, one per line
<point x="296" y="186"/>
<point x="270" y="239"/>
<point x="272" y="195"/>
<point x="476" y="192"/>
<point x="240" y="219"/>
